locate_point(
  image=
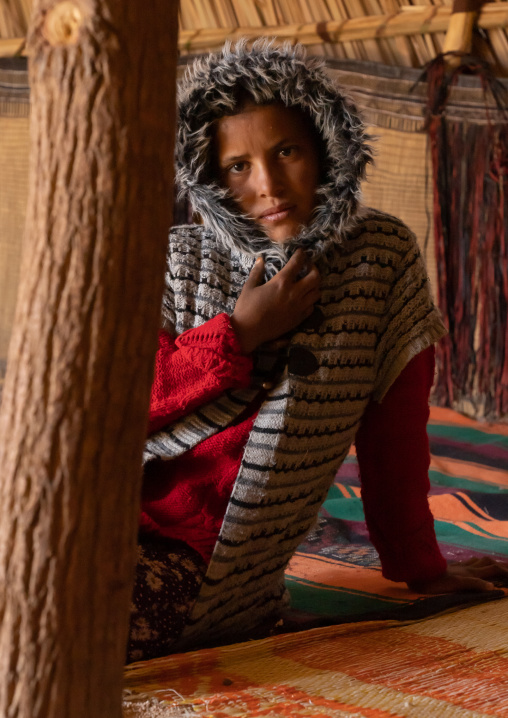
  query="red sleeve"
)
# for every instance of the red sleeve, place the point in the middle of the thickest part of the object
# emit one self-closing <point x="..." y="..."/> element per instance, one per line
<point x="194" y="368"/>
<point x="393" y="454"/>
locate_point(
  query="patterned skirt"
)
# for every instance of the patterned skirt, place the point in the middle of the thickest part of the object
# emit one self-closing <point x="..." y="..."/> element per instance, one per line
<point x="169" y="574"/>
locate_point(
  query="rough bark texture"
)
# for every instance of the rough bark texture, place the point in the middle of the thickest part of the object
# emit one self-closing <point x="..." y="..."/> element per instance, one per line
<point x="73" y="416"/>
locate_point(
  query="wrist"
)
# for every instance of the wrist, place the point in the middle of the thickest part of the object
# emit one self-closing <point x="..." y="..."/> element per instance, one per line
<point x="245" y="337"/>
<point x="418" y="585"/>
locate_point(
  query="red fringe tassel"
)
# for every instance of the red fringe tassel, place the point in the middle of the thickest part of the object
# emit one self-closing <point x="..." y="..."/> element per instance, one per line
<point x="470" y="183"/>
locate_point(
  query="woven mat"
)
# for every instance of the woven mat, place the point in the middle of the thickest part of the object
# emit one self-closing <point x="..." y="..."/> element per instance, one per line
<point x="377" y="658"/>
<point x="335" y="576"/>
<point x="453" y="665"/>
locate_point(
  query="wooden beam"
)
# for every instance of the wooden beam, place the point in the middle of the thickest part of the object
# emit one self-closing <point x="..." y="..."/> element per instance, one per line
<point x="411" y="20"/>
<point x="459" y="36"/>
<point x="12" y="46"/>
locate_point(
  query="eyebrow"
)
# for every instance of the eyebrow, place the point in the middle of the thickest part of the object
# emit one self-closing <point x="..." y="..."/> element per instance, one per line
<point x="276" y="146"/>
<point x="233" y="158"/>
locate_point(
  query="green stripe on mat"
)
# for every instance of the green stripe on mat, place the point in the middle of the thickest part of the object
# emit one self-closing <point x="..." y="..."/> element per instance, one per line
<point x="437" y="478"/>
<point x="349" y="509"/>
<point x="331" y="600"/>
<point x="452" y="534"/>
<point x="466" y="434"/>
<point x="336" y="494"/>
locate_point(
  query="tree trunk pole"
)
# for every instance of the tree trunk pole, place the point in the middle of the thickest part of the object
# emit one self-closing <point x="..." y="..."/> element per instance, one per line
<point x="74" y="410"/>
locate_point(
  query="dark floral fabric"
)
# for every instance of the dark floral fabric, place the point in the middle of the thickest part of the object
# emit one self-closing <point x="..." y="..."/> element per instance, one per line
<point x="168" y="577"/>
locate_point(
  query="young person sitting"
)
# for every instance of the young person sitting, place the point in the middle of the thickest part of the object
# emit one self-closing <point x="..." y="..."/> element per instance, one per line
<point x="295" y="321"/>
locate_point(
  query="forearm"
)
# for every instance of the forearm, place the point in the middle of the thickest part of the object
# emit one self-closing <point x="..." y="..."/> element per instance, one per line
<point x="194" y="368"/>
<point x="393" y="455"/>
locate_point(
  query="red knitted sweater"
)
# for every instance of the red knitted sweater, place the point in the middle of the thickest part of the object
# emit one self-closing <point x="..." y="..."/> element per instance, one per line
<point x="186" y="498"/>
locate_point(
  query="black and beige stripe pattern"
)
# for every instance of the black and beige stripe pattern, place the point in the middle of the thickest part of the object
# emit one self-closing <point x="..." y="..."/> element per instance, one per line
<point x="377" y="314"/>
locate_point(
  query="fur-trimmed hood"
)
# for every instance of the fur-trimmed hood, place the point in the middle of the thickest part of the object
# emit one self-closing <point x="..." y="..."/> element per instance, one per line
<point x="270" y="74"/>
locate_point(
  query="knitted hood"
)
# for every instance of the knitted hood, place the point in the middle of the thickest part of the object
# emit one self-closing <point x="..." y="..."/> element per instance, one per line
<point x="270" y="74"/>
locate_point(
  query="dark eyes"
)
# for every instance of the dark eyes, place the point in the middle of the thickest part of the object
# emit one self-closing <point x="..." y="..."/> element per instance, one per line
<point x="287" y="151"/>
<point x="239" y="167"/>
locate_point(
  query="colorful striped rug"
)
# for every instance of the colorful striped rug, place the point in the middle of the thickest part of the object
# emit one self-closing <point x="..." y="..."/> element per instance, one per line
<point x="373" y="648"/>
<point x="336" y="572"/>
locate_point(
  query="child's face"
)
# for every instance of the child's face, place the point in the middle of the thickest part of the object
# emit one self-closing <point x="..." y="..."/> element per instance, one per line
<point x="268" y="158"/>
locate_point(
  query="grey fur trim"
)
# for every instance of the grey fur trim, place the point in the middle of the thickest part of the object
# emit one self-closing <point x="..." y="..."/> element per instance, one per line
<point x="270" y="74"/>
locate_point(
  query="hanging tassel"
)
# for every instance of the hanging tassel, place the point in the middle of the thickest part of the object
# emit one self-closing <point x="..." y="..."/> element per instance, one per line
<point x="470" y="174"/>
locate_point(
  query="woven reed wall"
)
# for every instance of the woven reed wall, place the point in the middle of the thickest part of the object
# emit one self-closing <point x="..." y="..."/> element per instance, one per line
<point x="14" y="108"/>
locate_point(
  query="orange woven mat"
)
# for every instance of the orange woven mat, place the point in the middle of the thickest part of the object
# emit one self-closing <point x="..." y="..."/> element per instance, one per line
<point x="454" y="665"/>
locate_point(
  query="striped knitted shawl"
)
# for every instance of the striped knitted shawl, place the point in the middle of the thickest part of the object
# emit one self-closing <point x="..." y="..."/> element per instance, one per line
<point x="375" y="314"/>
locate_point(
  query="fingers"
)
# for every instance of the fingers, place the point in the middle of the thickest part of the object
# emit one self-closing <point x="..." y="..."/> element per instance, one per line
<point x="306" y="288"/>
<point x="452" y="584"/>
<point x="311" y="281"/>
<point x="469" y="562"/>
<point x="468" y="575"/>
<point x="291" y="271"/>
<point x="257" y="273"/>
<point x="471" y="583"/>
<point x="489" y="571"/>
<point x="487" y="561"/>
<point x="476" y="561"/>
<point x="483" y="567"/>
<point x="300" y="269"/>
<point x="295" y="265"/>
<point x="313" y="295"/>
<point x="284" y="297"/>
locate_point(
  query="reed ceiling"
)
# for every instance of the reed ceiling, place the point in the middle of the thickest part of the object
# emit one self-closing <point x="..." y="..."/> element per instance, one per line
<point x="394" y="32"/>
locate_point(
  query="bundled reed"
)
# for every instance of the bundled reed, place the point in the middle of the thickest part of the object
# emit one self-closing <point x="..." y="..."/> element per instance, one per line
<point x="407" y="33"/>
<point x="393" y="32"/>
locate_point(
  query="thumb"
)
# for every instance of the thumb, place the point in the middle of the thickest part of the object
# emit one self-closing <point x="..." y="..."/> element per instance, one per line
<point x="256" y="273"/>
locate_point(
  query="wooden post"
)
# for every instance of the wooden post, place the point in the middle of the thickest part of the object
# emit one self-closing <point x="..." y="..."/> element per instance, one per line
<point x="459" y="35"/>
<point x="74" y="409"/>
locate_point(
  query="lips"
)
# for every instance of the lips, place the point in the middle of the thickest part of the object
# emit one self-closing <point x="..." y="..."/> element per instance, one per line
<point x="276" y="213"/>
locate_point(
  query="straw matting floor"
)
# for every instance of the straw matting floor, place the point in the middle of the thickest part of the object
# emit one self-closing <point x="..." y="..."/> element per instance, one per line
<point x="454" y="666"/>
<point x="354" y="663"/>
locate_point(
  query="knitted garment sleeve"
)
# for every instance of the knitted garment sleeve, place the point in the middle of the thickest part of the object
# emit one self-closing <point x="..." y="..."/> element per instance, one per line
<point x="194" y="368"/>
<point x="412" y="323"/>
<point x="393" y="455"/>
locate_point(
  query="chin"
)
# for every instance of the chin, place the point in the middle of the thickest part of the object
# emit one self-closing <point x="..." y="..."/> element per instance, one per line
<point x="283" y="234"/>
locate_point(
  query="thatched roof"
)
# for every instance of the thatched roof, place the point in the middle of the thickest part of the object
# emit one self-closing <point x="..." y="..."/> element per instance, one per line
<point x="406" y="33"/>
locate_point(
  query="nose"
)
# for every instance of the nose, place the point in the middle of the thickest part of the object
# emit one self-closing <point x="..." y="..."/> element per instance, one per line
<point x="269" y="180"/>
